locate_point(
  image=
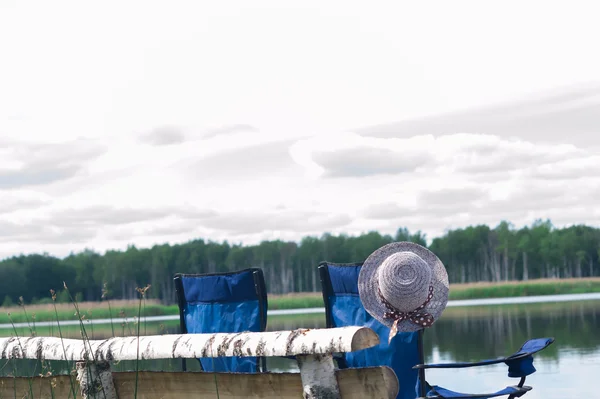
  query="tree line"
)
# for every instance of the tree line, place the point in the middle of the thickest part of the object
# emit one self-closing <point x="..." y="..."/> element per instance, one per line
<point x="471" y="254"/>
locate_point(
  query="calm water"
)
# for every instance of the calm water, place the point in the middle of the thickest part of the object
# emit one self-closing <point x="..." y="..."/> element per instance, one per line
<point x="565" y="369"/>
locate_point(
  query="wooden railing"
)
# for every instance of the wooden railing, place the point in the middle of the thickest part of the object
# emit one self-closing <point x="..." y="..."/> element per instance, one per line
<point x="313" y="350"/>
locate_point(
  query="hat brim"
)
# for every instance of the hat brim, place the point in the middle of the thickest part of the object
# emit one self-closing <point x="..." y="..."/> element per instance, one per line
<point x="368" y="284"/>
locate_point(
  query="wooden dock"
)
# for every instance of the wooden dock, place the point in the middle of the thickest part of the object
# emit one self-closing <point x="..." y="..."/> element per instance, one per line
<point x="312" y="348"/>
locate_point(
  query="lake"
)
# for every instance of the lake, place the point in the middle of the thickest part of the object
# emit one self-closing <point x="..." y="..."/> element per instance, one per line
<point x="467" y="333"/>
<point x="564" y="370"/>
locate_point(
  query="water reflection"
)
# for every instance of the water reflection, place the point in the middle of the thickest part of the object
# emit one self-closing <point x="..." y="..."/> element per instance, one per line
<point x="487" y="332"/>
<point x="563" y="370"/>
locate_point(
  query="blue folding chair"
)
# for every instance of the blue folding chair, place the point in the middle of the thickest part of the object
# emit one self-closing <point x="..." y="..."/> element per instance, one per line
<point x="343" y="307"/>
<point x="404" y="354"/>
<point x="224" y="303"/>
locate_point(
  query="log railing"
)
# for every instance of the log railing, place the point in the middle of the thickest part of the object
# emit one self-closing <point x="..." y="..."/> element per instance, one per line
<point x="312" y="348"/>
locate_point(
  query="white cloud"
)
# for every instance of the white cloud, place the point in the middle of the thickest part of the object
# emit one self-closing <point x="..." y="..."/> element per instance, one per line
<point x="164" y="135"/>
<point x="569" y="115"/>
<point x="297" y="222"/>
<point x="21" y="201"/>
<point x="96" y="216"/>
<point x="430" y="203"/>
<point x="228" y="129"/>
<point x="30" y="164"/>
<point x="253" y="162"/>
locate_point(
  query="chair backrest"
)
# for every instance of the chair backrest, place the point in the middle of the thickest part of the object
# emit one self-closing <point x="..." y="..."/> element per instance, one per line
<point x="224" y="303"/>
<point x="343" y="307"/>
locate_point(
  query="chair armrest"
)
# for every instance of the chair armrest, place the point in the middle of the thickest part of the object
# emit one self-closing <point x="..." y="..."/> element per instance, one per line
<point x="459" y="364"/>
<point x="519" y="363"/>
<point x="437" y="392"/>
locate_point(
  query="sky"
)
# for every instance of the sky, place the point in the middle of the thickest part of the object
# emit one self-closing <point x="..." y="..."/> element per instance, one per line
<point x="145" y="122"/>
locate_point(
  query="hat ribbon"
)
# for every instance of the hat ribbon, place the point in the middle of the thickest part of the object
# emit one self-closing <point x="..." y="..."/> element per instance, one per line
<point x="416" y="316"/>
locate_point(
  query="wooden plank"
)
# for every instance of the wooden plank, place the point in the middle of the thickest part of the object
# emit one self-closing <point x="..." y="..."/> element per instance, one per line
<point x="359" y="383"/>
<point x="42" y="387"/>
<point x="371" y="382"/>
<point x="190" y="346"/>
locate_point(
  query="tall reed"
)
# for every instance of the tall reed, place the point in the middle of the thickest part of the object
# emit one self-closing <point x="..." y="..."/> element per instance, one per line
<point x="142" y="292"/>
<point x="53" y="296"/>
<point x="105" y="296"/>
<point x="22" y="351"/>
<point x="84" y="334"/>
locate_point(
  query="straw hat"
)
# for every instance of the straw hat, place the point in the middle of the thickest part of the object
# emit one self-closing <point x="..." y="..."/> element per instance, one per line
<point x="404" y="286"/>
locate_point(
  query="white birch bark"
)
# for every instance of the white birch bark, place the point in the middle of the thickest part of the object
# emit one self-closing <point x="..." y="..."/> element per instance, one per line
<point x="191" y="346"/>
<point x="318" y="377"/>
<point x="95" y="380"/>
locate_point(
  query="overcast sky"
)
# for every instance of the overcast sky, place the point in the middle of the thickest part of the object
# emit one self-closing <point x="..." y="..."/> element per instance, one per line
<point x="149" y="122"/>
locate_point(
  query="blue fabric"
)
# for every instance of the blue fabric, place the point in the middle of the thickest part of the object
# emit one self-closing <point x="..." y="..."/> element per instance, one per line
<point x="220" y="288"/>
<point x="534" y="345"/>
<point x="344" y="279"/>
<point x="437" y="391"/>
<point x="347" y="310"/>
<point x="222" y="303"/>
<point x="522" y="366"/>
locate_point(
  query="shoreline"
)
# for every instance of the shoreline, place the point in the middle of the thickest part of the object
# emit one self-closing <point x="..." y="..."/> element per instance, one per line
<point x="321" y="310"/>
<point x="482" y="292"/>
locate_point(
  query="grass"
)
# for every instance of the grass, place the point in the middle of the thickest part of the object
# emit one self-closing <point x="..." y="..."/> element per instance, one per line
<point x="301" y="300"/>
<point x="99" y="310"/>
<point x="524" y="288"/>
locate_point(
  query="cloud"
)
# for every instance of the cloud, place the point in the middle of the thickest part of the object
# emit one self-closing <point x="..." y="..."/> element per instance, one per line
<point x="12" y="203"/>
<point x="579" y="167"/>
<point x="536" y="195"/>
<point x="252" y="222"/>
<point x="150" y="231"/>
<point x="124" y="224"/>
<point x="386" y="210"/>
<point x="164" y="135"/>
<point x="450" y="197"/>
<point x="228" y="129"/>
<point x="78" y="225"/>
<point x="104" y="215"/>
<point x="350" y="155"/>
<point x="520" y="201"/>
<point x="34" y="232"/>
<point x="569" y="115"/>
<point x="367" y="161"/>
<point x="169" y="135"/>
<point x="431" y="203"/>
<point x="479" y="156"/>
<point x="27" y="164"/>
<point x="253" y="162"/>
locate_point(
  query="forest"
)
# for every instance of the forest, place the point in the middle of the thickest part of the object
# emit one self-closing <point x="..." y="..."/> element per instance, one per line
<point x="471" y="254"/>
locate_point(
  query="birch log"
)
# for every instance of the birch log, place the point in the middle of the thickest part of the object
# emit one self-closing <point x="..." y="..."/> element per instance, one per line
<point x="191" y="346"/>
<point x="318" y="377"/>
<point x="95" y="380"/>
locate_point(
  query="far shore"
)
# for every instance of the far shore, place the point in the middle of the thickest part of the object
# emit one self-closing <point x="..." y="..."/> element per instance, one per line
<point x="129" y="308"/>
